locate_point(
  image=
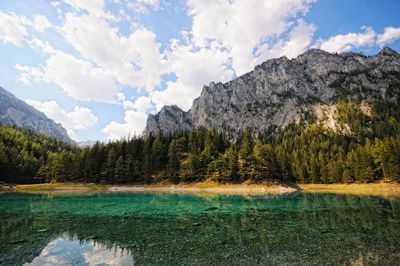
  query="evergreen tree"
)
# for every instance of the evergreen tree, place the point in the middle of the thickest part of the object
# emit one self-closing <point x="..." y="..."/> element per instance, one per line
<point x="158" y="154"/>
<point x="148" y="158"/>
<point x="109" y="166"/>
<point x="173" y="162"/>
<point x="245" y="156"/>
<point x="120" y="173"/>
<point x="232" y="164"/>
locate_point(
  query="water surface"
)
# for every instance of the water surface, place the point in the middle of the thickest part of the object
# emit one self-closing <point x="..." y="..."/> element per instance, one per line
<point x="211" y="229"/>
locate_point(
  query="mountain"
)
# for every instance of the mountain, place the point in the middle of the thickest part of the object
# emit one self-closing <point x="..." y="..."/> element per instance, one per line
<point x="86" y="143"/>
<point x="13" y="111"/>
<point x="280" y="91"/>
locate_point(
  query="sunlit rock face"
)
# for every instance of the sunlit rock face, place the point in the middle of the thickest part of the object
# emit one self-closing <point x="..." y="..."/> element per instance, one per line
<point x="13" y="111"/>
<point x="279" y="91"/>
<point x="66" y="250"/>
<point x="169" y="119"/>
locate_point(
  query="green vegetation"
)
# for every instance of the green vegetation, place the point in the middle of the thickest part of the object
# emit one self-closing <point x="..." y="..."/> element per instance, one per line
<point x="303" y="152"/>
<point x="23" y="152"/>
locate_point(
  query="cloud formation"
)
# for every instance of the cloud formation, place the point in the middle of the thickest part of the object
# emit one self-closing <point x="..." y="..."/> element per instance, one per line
<point x="108" y="49"/>
<point x="134" y="60"/>
<point x="41" y="23"/>
<point x="80" y="118"/>
<point x="243" y="26"/>
<point x="80" y="79"/>
<point x="134" y="124"/>
<point x="343" y="43"/>
<point x="13" y="28"/>
<point x="390" y="35"/>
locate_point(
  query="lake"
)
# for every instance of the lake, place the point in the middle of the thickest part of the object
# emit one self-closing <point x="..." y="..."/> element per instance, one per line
<point x="145" y="228"/>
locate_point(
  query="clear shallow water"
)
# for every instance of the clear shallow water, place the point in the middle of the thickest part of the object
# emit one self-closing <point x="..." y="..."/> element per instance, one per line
<point x="210" y="229"/>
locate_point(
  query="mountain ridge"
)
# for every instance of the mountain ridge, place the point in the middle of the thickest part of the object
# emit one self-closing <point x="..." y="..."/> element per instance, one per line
<point x="279" y="91"/>
<point x="14" y="111"/>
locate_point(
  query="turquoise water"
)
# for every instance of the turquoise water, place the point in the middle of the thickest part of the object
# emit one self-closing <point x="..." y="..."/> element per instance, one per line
<point x="193" y="229"/>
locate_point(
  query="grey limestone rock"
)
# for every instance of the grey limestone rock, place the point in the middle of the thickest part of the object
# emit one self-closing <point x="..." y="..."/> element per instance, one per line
<point x="13" y="111"/>
<point x="169" y="119"/>
<point x="278" y="92"/>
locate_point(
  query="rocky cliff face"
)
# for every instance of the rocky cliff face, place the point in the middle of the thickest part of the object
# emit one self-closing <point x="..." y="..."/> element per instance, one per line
<point x="280" y="90"/>
<point x="169" y="119"/>
<point x="16" y="112"/>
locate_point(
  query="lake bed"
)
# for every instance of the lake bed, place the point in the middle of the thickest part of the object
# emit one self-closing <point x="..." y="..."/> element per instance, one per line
<point x="167" y="228"/>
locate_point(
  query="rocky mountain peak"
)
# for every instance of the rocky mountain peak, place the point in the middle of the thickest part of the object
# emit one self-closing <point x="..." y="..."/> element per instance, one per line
<point x="170" y="118"/>
<point x="16" y="112"/>
<point x="386" y="51"/>
<point x="280" y="90"/>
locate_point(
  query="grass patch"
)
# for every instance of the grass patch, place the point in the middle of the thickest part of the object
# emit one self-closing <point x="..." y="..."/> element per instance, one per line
<point x="383" y="189"/>
<point x="57" y="187"/>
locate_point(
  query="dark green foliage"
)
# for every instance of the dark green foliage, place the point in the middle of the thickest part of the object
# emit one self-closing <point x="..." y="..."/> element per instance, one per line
<point x="23" y="152"/>
<point x="304" y="152"/>
<point x="246" y="157"/>
<point x="173" y="162"/>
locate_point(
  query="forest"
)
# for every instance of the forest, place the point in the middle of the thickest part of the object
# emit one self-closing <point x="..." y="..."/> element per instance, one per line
<point x="302" y="152"/>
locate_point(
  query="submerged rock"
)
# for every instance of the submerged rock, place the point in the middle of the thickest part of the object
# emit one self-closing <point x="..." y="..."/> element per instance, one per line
<point x="211" y="209"/>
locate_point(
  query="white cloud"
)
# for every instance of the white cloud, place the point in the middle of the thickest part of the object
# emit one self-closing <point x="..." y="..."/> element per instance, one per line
<point x="154" y="3"/>
<point x="77" y="77"/>
<point x="12" y="28"/>
<point x="142" y="104"/>
<point x="109" y="58"/>
<point x="28" y="73"/>
<point x="42" y="46"/>
<point x="41" y="23"/>
<point x="133" y="60"/>
<point x="79" y="118"/>
<point x="299" y="40"/>
<point x="134" y="123"/>
<point x="390" y="35"/>
<point x="55" y="4"/>
<point x="142" y="6"/>
<point x="134" y="120"/>
<point x="242" y="26"/>
<point x="121" y="96"/>
<point x="343" y="43"/>
<point x="231" y="37"/>
<point x="94" y="7"/>
<point x="193" y="68"/>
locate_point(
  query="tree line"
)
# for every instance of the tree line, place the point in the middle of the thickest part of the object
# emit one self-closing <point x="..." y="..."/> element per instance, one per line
<point x="303" y="152"/>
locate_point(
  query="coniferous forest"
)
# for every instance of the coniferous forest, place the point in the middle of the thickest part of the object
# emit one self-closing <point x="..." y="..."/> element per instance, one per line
<point x="305" y="151"/>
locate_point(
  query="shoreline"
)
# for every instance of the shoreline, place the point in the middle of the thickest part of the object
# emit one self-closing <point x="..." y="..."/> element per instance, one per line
<point x="381" y="189"/>
<point x="206" y="186"/>
<point x="372" y="189"/>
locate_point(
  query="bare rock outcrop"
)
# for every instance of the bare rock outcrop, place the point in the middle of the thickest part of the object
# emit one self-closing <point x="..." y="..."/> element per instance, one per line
<point x="279" y="91"/>
<point x="13" y="111"/>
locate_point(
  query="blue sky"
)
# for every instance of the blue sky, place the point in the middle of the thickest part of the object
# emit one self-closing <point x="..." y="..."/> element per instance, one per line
<point x="99" y="67"/>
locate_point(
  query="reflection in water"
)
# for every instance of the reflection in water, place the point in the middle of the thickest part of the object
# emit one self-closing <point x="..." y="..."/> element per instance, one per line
<point x="65" y="250"/>
<point x="180" y="229"/>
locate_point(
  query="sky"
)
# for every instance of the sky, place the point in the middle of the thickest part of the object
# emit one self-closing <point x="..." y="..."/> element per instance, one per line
<point x="99" y="67"/>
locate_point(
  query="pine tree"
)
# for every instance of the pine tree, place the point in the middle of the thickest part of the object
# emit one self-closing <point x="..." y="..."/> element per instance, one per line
<point x="266" y="164"/>
<point x="120" y="174"/>
<point x="173" y="162"/>
<point x="4" y="164"/>
<point x="147" y="158"/>
<point x="233" y="164"/>
<point x="109" y="166"/>
<point x="158" y="155"/>
<point x="245" y="156"/>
